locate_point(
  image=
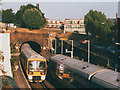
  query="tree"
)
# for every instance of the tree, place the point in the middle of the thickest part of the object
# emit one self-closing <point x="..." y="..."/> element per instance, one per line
<point x="33" y="18"/>
<point x="97" y="24"/>
<point x="22" y="11"/>
<point x="8" y="16"/>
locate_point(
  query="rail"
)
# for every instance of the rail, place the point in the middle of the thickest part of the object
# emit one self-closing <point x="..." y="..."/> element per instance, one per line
<point x="24" y="76"/>
<point x="42" y="85"/>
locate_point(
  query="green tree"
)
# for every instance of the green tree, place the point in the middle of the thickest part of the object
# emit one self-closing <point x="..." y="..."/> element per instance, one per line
<point x="97" y="24"/>
<point x="33" y="18"/>
<point x="19" y="15"/>
<point x="8" y="16"/>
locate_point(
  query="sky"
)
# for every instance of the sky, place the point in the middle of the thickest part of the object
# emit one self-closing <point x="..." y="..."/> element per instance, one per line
<point x="68" y="9"/>
<point x="60" y="0"/>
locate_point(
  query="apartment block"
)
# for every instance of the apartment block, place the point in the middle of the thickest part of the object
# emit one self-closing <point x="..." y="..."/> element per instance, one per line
<point x="53" y="24"/>
<point x="72" y="25"/>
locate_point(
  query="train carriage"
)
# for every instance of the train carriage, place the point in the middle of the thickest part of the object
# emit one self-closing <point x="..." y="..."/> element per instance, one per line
<point x="34" y="65"/>
<point x="81" y="74"/>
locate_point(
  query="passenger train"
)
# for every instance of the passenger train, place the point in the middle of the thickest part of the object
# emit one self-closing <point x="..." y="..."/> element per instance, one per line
<point x="34" y="65"/>
<point x="78" y="74"/>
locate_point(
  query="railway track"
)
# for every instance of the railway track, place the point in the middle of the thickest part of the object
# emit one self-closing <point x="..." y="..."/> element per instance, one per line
<point x="45" y="85"/>
<point x="46" y="54"/>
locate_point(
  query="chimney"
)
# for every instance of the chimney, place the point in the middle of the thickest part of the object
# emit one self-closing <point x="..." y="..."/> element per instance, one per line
<point x="37" y="5"/>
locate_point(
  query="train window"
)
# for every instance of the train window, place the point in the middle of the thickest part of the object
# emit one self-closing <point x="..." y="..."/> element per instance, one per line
<point x="63" y="73"/>
<point x="36" y="66"/>
<point x="60" y="69"/>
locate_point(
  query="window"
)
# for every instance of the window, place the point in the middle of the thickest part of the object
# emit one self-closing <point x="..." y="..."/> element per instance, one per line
<point x="75" y="26"/>
<point x="82" y="26"/>
<point x="48" y="22"/>
<point x="68" y="22"/>
<point x="53" y="22"/>
<point x="68" y="26"/>
<point x="58" y="22"/>
<point x="81" y="21"/>
<point x="36" y="65"/>
<point x="75" y="22"/>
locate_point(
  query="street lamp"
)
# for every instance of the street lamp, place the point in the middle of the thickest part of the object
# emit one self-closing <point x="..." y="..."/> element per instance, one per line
<point x="70" y="51"/>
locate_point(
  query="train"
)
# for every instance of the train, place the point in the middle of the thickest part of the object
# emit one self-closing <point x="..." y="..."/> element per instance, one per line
<point x="73" y="73"/>
<point x="34" y="65"/>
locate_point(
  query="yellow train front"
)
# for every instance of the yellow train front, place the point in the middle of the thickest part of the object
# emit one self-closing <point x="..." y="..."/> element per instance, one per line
<point x="34" y="65"/>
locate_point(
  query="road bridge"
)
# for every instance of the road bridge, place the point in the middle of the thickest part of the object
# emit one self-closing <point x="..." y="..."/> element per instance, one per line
<point x="35" y="39"/>
<point x="22" y="37"/>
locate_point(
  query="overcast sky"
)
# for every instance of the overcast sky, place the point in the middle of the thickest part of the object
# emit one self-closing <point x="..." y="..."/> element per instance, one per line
<point x="60" y="0"/>
<point x="67" y="10"/>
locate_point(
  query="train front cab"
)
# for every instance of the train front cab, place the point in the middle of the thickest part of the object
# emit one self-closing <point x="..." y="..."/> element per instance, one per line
<point x="69" y="77"/>
<point x="36" y="70"/>
<point x="72" y="78"/>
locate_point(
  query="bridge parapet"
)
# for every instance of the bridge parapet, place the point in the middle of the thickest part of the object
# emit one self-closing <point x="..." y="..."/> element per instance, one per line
<point x="40" y="38"/>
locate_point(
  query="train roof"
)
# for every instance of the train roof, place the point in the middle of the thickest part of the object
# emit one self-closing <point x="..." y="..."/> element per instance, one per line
<point x="87" y="70"/>
<point x="72" y="63"/>
<point x="30" y="53"/>
<point x="108" y="77"/>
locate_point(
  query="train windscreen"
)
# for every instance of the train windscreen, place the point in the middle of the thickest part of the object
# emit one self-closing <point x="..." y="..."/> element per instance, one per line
<point x="36" y="66"/>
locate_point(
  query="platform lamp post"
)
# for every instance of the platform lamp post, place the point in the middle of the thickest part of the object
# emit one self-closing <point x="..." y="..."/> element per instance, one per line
<point x="70" y="51"/>
<point x="117" y="65"/>
<point x="88" y="33"/>
<point x="61" y="46"/>
<point x="62" y="43"/>
<point x="88" y="51"/>
<point x="55" y="45"/>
